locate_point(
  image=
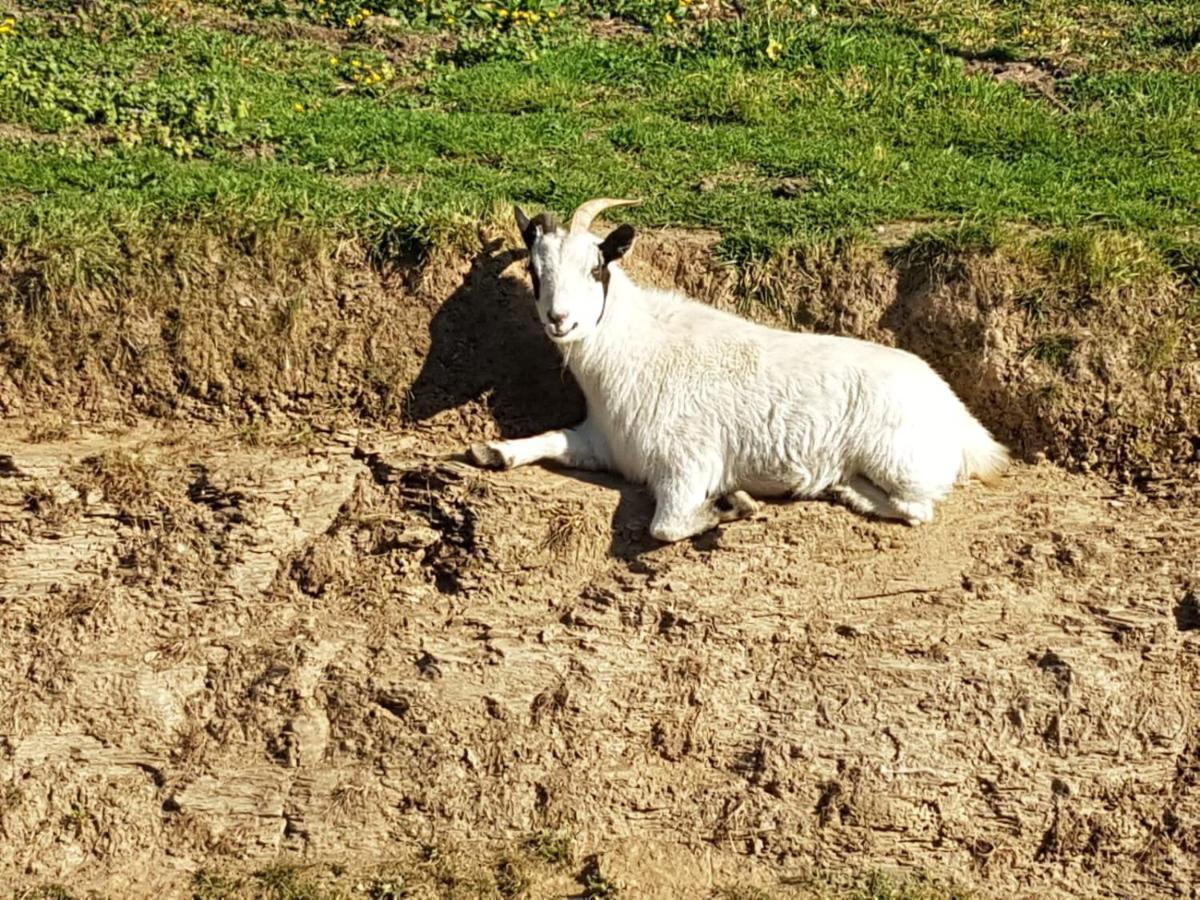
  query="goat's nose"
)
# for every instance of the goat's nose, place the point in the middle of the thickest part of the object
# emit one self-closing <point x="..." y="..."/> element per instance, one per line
<point x="556" y="318"/>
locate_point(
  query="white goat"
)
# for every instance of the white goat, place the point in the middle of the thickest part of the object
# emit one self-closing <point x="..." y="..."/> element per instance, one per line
<point x="702" y="405"/>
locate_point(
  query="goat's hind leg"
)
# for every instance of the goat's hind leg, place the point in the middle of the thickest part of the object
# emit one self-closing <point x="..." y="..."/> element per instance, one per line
<point x="865" y="497"/>
<point x="682" y="511"/>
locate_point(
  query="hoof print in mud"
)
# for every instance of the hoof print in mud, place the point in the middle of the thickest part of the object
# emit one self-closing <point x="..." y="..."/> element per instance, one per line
<point x="487" y="456"/>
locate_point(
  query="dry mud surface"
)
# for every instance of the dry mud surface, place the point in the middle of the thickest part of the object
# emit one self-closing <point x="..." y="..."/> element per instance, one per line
<point x="224" y="647"/>
<point x="215" y="652"/>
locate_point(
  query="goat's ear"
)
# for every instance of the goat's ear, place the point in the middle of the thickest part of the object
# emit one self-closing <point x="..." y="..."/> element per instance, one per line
<point x="617" y="244"/>
<point x="522" y="219"/>
<point x="532" y="229"/>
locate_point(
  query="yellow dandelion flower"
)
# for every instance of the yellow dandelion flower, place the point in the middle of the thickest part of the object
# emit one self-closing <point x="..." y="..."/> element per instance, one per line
<point x="333" y="60"/>
<point x="669" y="19"/>
<point x="298" y="107"/>
<point x="449" y="20"/>
<point x="356" y="64"/>
<point x="774" y="48"/>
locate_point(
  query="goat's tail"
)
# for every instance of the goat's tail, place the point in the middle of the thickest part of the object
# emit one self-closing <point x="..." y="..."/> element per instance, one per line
<point x="983" y="456"/>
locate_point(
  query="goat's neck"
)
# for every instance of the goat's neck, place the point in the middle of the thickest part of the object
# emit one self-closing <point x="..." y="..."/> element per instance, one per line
<point x="608" y="356"/>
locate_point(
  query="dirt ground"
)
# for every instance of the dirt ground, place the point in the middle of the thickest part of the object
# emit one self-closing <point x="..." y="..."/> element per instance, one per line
<point x="224" y="648"/>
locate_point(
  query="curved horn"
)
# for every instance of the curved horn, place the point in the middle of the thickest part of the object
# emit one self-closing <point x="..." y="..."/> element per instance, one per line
<point x="582" y="220"/>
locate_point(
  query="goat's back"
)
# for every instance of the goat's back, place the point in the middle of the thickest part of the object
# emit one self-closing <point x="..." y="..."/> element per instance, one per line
<point x="763" y="406"/>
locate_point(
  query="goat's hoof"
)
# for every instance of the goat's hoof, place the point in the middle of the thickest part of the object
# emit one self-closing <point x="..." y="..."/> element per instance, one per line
<point x="741" y="506"/>
<point x="915" y="512"/>
<point x="487" y="456"/>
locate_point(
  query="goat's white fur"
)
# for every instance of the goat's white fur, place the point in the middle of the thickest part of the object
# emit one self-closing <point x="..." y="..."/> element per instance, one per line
<point x="701" y="404"/>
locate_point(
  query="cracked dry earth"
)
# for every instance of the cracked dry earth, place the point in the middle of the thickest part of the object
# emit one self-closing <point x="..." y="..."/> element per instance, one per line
<point x="215" y="654"/>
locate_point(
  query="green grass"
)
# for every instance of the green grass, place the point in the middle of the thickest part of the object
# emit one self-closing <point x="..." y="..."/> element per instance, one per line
<point x="874" y="885"/>
<point x="47" y="892"/>
<point x="941" y="249"/>
<point x="518" y="874"/>
<point x="596" y="884"/>
<point x="881" y="886"/>
<point x="551" y="847"/>
<point x="1054" y="349"/>
<point x="137" y="115"/>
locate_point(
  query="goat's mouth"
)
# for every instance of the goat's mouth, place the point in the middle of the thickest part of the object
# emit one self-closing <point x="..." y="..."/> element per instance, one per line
<point x="557" y="334"/>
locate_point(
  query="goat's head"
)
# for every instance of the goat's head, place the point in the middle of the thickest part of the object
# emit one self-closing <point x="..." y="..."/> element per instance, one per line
<point x="570" y="268"/>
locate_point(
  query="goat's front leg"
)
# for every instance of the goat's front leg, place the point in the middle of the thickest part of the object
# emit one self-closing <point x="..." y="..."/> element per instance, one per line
<point x="580" y="447"/>
<point x="683" y="509"/>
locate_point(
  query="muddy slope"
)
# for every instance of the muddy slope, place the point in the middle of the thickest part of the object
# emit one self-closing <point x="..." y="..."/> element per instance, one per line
<point x="1097" y="378"/>
<point x="259" y="638"/>
<point x="340" y="650"/>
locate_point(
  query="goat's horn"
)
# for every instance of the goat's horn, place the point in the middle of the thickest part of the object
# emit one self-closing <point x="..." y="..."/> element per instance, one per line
<point x="582" y="220"/>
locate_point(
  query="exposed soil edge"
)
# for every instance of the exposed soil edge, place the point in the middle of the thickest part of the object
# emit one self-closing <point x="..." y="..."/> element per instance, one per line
<point x="263" y="334"/>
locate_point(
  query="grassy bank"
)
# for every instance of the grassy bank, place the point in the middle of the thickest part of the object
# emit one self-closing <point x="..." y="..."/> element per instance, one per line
<point x="787" y="125"/>
<point x="179" y="177"/>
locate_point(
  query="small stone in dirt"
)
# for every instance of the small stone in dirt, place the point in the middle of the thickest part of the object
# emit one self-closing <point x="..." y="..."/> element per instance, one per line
<point x="598" y="598"/>
<point x="573" y="620"/>
<point x="427" y="664"/>
<point x="494" y="708"/>
<point x="1187" y="612"/>
<point x="670" y="619"/>
<point x="1052" y="662"/>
